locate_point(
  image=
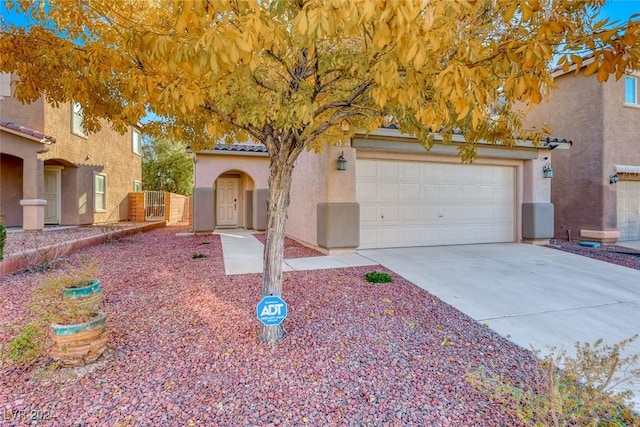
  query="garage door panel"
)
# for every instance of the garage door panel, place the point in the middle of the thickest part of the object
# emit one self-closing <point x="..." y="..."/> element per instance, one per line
<point x="367" y="191"/>
<point x="368" y="214"/>
<point x="367" y="168"/>
<point x="410" y="171"/>
<point x="430" y="192"/>
<point x="389" y="170"/>
<point x="429" y="213"/>
<point x="388" y="192"/>
<point x="422" y="203"/>
<point x="410" y="214"/>
<point x="368" y="237"/>
<point x="628" y="209"/>
<point x="388" y="215"/>
<point x="409" y="193"/>
<point x="451" y="192"/>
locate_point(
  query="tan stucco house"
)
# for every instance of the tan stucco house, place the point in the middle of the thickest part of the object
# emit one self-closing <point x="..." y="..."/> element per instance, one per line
<point x="596" y="187"/>
<point x="52" y="172"/>
<point x="392" y="193"/>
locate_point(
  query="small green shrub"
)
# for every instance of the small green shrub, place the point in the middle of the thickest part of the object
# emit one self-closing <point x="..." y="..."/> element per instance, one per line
<point x="198" y="255"/>
<point x="3" y="240"/>
<point x="378" y="277"/>
<point x="581" y="390"/>
<point x="26" y="346"/>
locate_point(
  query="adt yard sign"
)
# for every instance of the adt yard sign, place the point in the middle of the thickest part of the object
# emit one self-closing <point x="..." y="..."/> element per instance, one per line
<point x="272" y="310"/>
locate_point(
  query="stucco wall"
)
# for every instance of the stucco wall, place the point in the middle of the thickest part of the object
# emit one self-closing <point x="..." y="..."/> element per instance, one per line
<point x="622" y="143"/>
<point x="27" y="115"/>
<point x="105" y="152"/>
<point x="576" y="112"/>
<point x="20" y="175"/>
<point x="209" y="167"/>
<point x="308" y="188"/>
<point x="251" y="170"/>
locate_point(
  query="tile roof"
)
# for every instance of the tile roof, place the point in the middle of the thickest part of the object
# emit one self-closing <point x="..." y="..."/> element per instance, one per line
<point x="246" y="148"/>
<point x="545" y="142"/>
<point x="34" y="134"/>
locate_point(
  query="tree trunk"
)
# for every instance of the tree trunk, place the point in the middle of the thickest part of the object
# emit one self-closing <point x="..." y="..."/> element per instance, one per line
<point x="280" y="171"/>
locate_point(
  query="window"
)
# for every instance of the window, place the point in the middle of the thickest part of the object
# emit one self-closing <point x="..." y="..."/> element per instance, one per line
<point x="137" y="186"/>
<point x="99" y="186"/>
<point x="5" y="84"/>
<point x="136" y="137"/>
<point x="76" y="120"/>
<point x="630" y="90"/>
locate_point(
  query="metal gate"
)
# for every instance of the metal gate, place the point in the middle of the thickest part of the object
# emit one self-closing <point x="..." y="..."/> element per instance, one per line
<point x="154" y="205"/>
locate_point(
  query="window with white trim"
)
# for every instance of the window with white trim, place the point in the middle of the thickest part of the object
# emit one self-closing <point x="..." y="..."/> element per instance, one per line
<point x="76" y="120"/>
<point x="631" y="90"/>
<point x="99" y="193"/>
<point x="136" y="140"/>
<point x="5" y="84"/>
<point x="137" y="186"/>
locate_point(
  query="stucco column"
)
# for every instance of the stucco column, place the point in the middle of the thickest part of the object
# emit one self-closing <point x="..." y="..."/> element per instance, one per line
<point x="537" y="209"/>
<point x="338" y="219"/>
<point x="33" y="203"/>
<point x="537" y="188"/>
<point x="341" y="185"/>
<point x="33" y="214"/>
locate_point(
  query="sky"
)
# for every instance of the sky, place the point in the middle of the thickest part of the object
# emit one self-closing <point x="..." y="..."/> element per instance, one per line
<point x="620" y="9"/>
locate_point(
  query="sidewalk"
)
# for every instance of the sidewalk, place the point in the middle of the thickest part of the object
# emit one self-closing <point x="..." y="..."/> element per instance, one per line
<point x="243" y="255"/>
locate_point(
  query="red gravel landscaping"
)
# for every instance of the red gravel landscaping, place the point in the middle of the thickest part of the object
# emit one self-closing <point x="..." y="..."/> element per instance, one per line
<point x="184" y="349"/>
<point x="626" y="257"/>
<point x="292" y="248"/>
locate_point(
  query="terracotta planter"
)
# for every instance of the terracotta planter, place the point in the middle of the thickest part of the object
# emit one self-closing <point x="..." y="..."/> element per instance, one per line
<point x="79" y="344"/>
<point x="88" y="296"/>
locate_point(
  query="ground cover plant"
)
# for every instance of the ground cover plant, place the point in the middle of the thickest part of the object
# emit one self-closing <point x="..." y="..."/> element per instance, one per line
<point x="378" y="277"/>
<point x="586" y="388"/>
<point x="184" y="348"/>
<point x="3" y="239"/>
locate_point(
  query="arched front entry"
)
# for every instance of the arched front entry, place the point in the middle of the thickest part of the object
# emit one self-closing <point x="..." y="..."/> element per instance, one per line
<point x="230" y="189"/>
<point x="11" y="179"/>
<point x="233" y="199"/>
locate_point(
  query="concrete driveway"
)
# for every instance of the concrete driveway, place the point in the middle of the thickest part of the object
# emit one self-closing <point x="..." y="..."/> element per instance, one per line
<point x="534" y="296"/>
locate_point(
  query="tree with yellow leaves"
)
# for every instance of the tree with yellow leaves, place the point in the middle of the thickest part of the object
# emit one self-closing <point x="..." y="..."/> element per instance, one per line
<point x="288" y="73"/>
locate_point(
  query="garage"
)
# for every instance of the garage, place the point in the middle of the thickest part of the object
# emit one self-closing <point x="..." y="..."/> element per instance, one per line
<point x="415" y="203"/>
<point x="628" y="201"/>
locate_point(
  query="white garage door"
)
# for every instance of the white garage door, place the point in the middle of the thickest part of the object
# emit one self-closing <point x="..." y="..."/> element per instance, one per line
<point x="628" y="195"/>
<point x="407" y="203"/>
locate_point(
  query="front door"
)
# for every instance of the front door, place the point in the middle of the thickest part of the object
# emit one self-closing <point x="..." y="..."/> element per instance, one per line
<point x="52" y="195"/>
<point x="227" y="202"/>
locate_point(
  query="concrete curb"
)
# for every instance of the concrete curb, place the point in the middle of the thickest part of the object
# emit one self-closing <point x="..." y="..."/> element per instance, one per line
<point x="16" y="262"/>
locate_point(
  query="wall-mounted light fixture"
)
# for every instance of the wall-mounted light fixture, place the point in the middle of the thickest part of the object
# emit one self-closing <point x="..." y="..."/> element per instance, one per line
<point x="614" y="178"/>
<point x="342" y="163"/>
<point x="345" y="126"/>
<point x="547" y="171"/>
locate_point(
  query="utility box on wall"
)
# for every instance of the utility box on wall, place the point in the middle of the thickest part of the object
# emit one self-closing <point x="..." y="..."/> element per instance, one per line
<point x="537" y="220"/>
<point x="259" y="208"/>
<point x="338" y="225"/>
<point x="203" y="202"/>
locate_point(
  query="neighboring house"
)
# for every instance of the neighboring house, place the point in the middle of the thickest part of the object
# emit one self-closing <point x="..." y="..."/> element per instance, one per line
<point x="596" y="188"/>
<point x="392" y="193"/>
<point x="53" y="173"/>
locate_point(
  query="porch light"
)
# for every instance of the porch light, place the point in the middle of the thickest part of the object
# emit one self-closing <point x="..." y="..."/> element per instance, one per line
<point x="547" y="170"/>
<point x="345" y="127"/>
<point x="614" y="178"/>
<point x="342" y="163"/>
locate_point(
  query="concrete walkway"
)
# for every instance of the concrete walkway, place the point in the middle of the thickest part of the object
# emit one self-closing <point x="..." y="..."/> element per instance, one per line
<point x="243" y="255"/>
